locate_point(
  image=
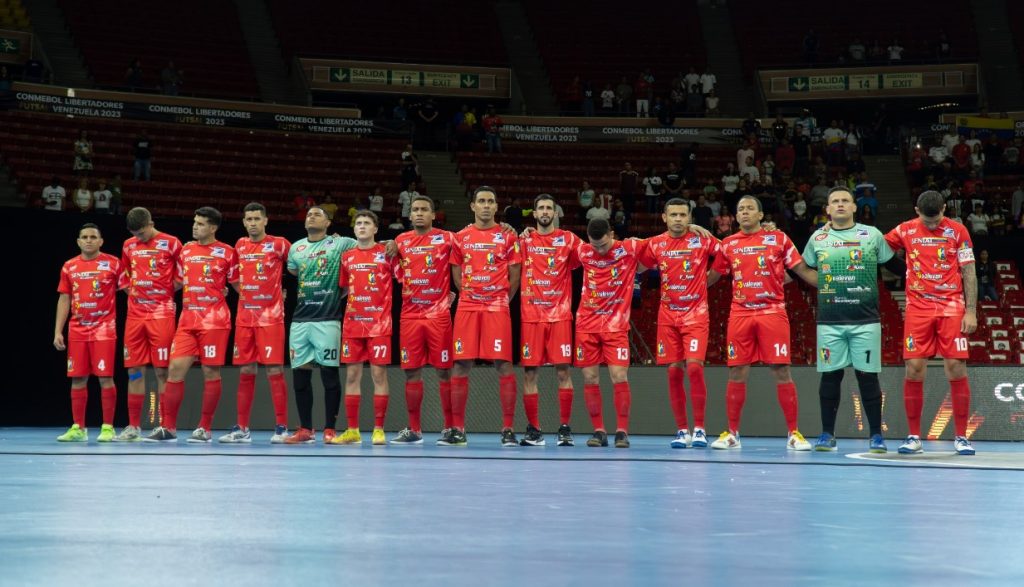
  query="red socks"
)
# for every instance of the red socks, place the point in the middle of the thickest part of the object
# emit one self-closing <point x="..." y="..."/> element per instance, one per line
<point x="960" y="389"/>
<point x="279" y="395"/>
<point x="135" y="403"/>
<point x="531" y="407"/>
<point x="79" y="397"/>
<point x="108" y="395"/>
<point x="735" y="397"/>
<point x="622" y="401"/>
<point x="507" y="390"/>
<point x="913" y="401"/>
<point x="211" y="397"/>
<point x="460" y="394"/>
<point x="786" y="392"/>
<point x="414" y="403"/>
<point x="352" y="410"/>
<point x="445" y="389"/>
<point x="380" y="410"/>
<point x="592" y="397"/>
<point x="173" y="392"/>
<point x="564" y="404"/>
<point x="698" y="392"/>
<point x="677" y="397"/>
<point x="246" y="389"/>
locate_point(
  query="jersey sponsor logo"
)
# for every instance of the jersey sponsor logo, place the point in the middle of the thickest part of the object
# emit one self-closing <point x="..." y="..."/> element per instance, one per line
<point x="490" y="258"/>
<point x="821" y="236"/>
<point x="218" y="252"/>
<point x="856" y="255"/>
<point x="769" y="239"/>
<point x="948" y="232"/>
<point x="825" y="268"/>
<point x="551" y="262"/>
<point x="942" y="254"/>
<point x="437" y="239"/>
<point x="693" y="243"/>
<point x="619" y="253"/>
<point x="259" y="268"/>
<point x="103" y="266"/>
<point x="760" y="262"/>
<point x="163" y="244"/>
<point x="268" y="247"/>
<point x="965" y="254"/>
<point x="615" y="272"/>
<point x="559" y="241"/>
<point x="378" y="257"/>
<point x="428" y="260"/>
<point x="499" y="238"/>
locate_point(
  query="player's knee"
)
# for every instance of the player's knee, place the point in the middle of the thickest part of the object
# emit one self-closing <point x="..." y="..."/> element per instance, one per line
<point x="444" y="374"/>
<point x="694" y="369"/>
<point x="211" y="372"/>
<point x="79" y="381"/>
<point x="834" y="376"/>
<point x="273" y="370"/>
<point x="870" y="388"/>
<point x="106" y="382"/>
<point x="250" y="369"/>
<point x="915" y="369"/>
<point x="738" y="374"/>
<point x="379" y="375"/>
<point x="956" y="368"/>
<point x="619" y="375"/>
<point x="330" y="378"/>
<point x="781" y="373"/>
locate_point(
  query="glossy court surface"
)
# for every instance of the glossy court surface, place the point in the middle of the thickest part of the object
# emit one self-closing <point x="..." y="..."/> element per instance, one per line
<point x="483" y="515"/>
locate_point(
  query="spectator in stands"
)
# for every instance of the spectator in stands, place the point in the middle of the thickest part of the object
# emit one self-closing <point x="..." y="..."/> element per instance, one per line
<point x="399" y="112"/>
<point x="780" y="129"/>
<point x="513" y="214"/>
<point x="585" y="198"/>
<point x="712" y="199"/>
<point x="810" y="47"/>
<point x="303" y="202"/>
<point x="116" y="195"/>
<point x="643" y="89"/>
<point x="598" y="212"/>
<point x="857" y="51"/>
<point x="82" y="196"/>
<point x="573" y="97"/>
<point x="376" y="201"/>
<point x="961" y="155"/>
<point x="806" y="123"/>
<point x="1017" y="199"/>
<point x="397" y="224"/>
<point x="5" y="79"/>
<point x="950" y="140"/>
<point x="978" y="160"/>
<point x="723" y="223"/>
<point x="853" y="140"/>
<point x="865" y="215"/>
<point x="328" y="205"/>
<point x="353" y="209"/>
<point x="102" y="198"/>
<point x="973" y="184"/>
<point x="628" y="180"/>
<point x="410" y="171"/>
<point x="895" y="51"/>
<point x="133" y="75"/>
<point x="819" y="220"/>
<point x="143" y="153"/>
<point x="170" y="79"/>
<point x="620" y="219"/>
<point x="405" y="201"/>
<point x="867" y="199"/>
<point x="938" y="155"/>
<point x="607" y="101"/>
<point x="624" y="96"/>
<point x="943" y="48"/>
<point x="745" y="152"/>
<point x="978" y="221"/>
<point x="464" y="121"/>
<point x="749" y="171"/>
<point x="785" y="157"/>
<point x="711" y="104"/>
<point x="426" y="122"/>
<point x="83" y="154"/>
<point x="998" y="214"/>
<point x="730" y="179"/>
<point x="688" y="162"/>
<point x="819" y="196"/>
<point x="710" y="188"/>
<point x="692" y="78"/>
<point x="54" y="195"/>
<point x="863" y="185"/>
<point x="986" y="272"/>
<point x="708" y="82"/>
<point x="1012" y="157"/>
<point x="768" y="170"/>
<point x="751" y="126"/>
<point x="835" y="140"/>
<point x="492" y="124"/>
<point x="672" y="182"/>
<point x="876" y="54"/>
<point x="652" y="190"/>
<point x="819" y="169"/>
<point x="703" y="215"/>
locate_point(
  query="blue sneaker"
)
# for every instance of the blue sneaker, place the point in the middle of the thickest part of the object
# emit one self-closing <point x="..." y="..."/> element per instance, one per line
<point x="877" y="444"/>
<point x="963" y="446"/>
<point x="911" y="446"/>
<point x="682" y="439"/>
<point x="700" y="439"/>
<point x="826" y="443"/>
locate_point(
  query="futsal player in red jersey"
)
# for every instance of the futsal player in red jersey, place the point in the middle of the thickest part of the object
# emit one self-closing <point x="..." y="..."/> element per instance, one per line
<point x="602" y="323"/>
<point x="259" y="322"/>
<point x="208" y="266"/>
<point x="152" y="260"/>
<point x="683" y="259"/>
<point x="425" y="329"/>
<point x="942" y="299"/>
<point x="88" y="288"/>
<point x="549" y="256"/>
<point x="486" y="263"/>
<point x="365" y="276"/>
<point x="758" y="324"/>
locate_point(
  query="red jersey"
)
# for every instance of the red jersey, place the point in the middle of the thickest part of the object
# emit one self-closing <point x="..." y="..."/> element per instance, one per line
<point x="934" y="261"/>
<point x="152" y="267"/>
<point x="367" y="273"/>
<point x="206" y="272"/>
<point x="607" y="286"/>
<point x="260" y="265"/>
<point x="548" y="261"/>
<point x="485" y="256"/>
<point x="758" y="264"/>
<point x="92" y="285"/>
<point x="683" y="263"/>
<point x="425" y="274"/>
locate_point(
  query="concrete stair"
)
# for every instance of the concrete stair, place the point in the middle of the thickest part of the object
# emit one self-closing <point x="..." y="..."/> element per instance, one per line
<point x="446" y="187"/>
<point x="276" y="84"/>
<point x="735" y="96"/>
<point x="894" y="202"/>
<point x="997" y="56"/>
<point x="531" y="88"/>
<point x="64" y="58"/>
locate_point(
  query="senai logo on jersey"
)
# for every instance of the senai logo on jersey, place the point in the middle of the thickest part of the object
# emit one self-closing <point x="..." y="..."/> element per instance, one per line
<point x="345" y="350"/>
<point x="405" y="355"/>
<point x="909" y="343"/>
<point x="826" y="356"/>
<point x="732" y="351"/>
<point x="526" y="351"/>
<point x="458" y="346"/>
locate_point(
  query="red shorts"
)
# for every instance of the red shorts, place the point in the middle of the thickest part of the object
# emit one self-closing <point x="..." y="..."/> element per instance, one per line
<point x="762" y="338"/>
<point x="926" y="336"/>
<point x="376" y="350"/>
<point x="259" y="344"/>
<point x="91" y="357"/>
<point x="546" y="343"/>
<point x="148" y="341"/>
<point x="678" y="343"/>
<point x="426" y="341"/>
<point x="209" y="345"/>
<point x="595" y="348"/>
<point x="483" y="335"/>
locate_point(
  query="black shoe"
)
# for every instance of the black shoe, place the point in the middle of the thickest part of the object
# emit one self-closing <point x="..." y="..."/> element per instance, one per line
<point x="621" y="439"/>
<point x="446" y="437"/>
<point x="508" y="438"/>
<point x="533" y="437"/>
<point x="600" y="438"/>
<point x="565" y="436"/>
<point x="457" y="438"/>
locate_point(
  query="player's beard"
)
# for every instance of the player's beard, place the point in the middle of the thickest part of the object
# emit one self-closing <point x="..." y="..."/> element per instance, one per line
<point x="544" y="223"/>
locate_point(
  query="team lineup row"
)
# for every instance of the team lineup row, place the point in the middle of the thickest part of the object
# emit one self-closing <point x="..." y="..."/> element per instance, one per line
<point x="487" y="264"/>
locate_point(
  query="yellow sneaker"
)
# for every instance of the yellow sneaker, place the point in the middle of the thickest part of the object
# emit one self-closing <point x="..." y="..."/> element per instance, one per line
<point x="106" y="434"/>
<point x="74" y="434"/>
<point x="378" y="437"/>
<point x="350" y="436"/>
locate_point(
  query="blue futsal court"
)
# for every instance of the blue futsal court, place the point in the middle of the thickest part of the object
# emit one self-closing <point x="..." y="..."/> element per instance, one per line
<point x="483" y="515"/>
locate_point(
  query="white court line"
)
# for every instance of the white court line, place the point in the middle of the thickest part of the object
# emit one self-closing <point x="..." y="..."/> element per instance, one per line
<point x="983" y="461"/>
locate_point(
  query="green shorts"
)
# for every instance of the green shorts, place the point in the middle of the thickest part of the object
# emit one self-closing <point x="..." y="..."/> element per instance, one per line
<point x="315" y="342"/>
<point x="842" y="345"/>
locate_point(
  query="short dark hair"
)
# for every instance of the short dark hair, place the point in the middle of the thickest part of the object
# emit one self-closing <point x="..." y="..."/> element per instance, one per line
<point x="422" y="198"/>
<point x="211" y="214"/>
<point x="138" y="218"/>
<point x="677" y="202"/>
<point x="930" y="203"/>
<point x="367" y="214"/>
<point x="598" y="228"/>
<point x="755" y="200"/>
<point x="255" y="207"/>
<point x="837" y="189"/>
<point x="90" y="225"/>
<point x="542" y="197"/>
<point x="485" y="188"/>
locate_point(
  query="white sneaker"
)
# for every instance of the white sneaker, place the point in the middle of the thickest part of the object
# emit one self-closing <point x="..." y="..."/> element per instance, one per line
<point x="700" y="439"/>
<point x="682" y="439"/>
<point x="238" y="435"/>
<point x="911" y="446"/>
<point x="727" y="440"/>
<point x="200" y="435"/>
<point x="129" y="434"/>
<point x="797" y="441"/>
<point x="280" y="433"/>
<point x="963" y="446"/>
